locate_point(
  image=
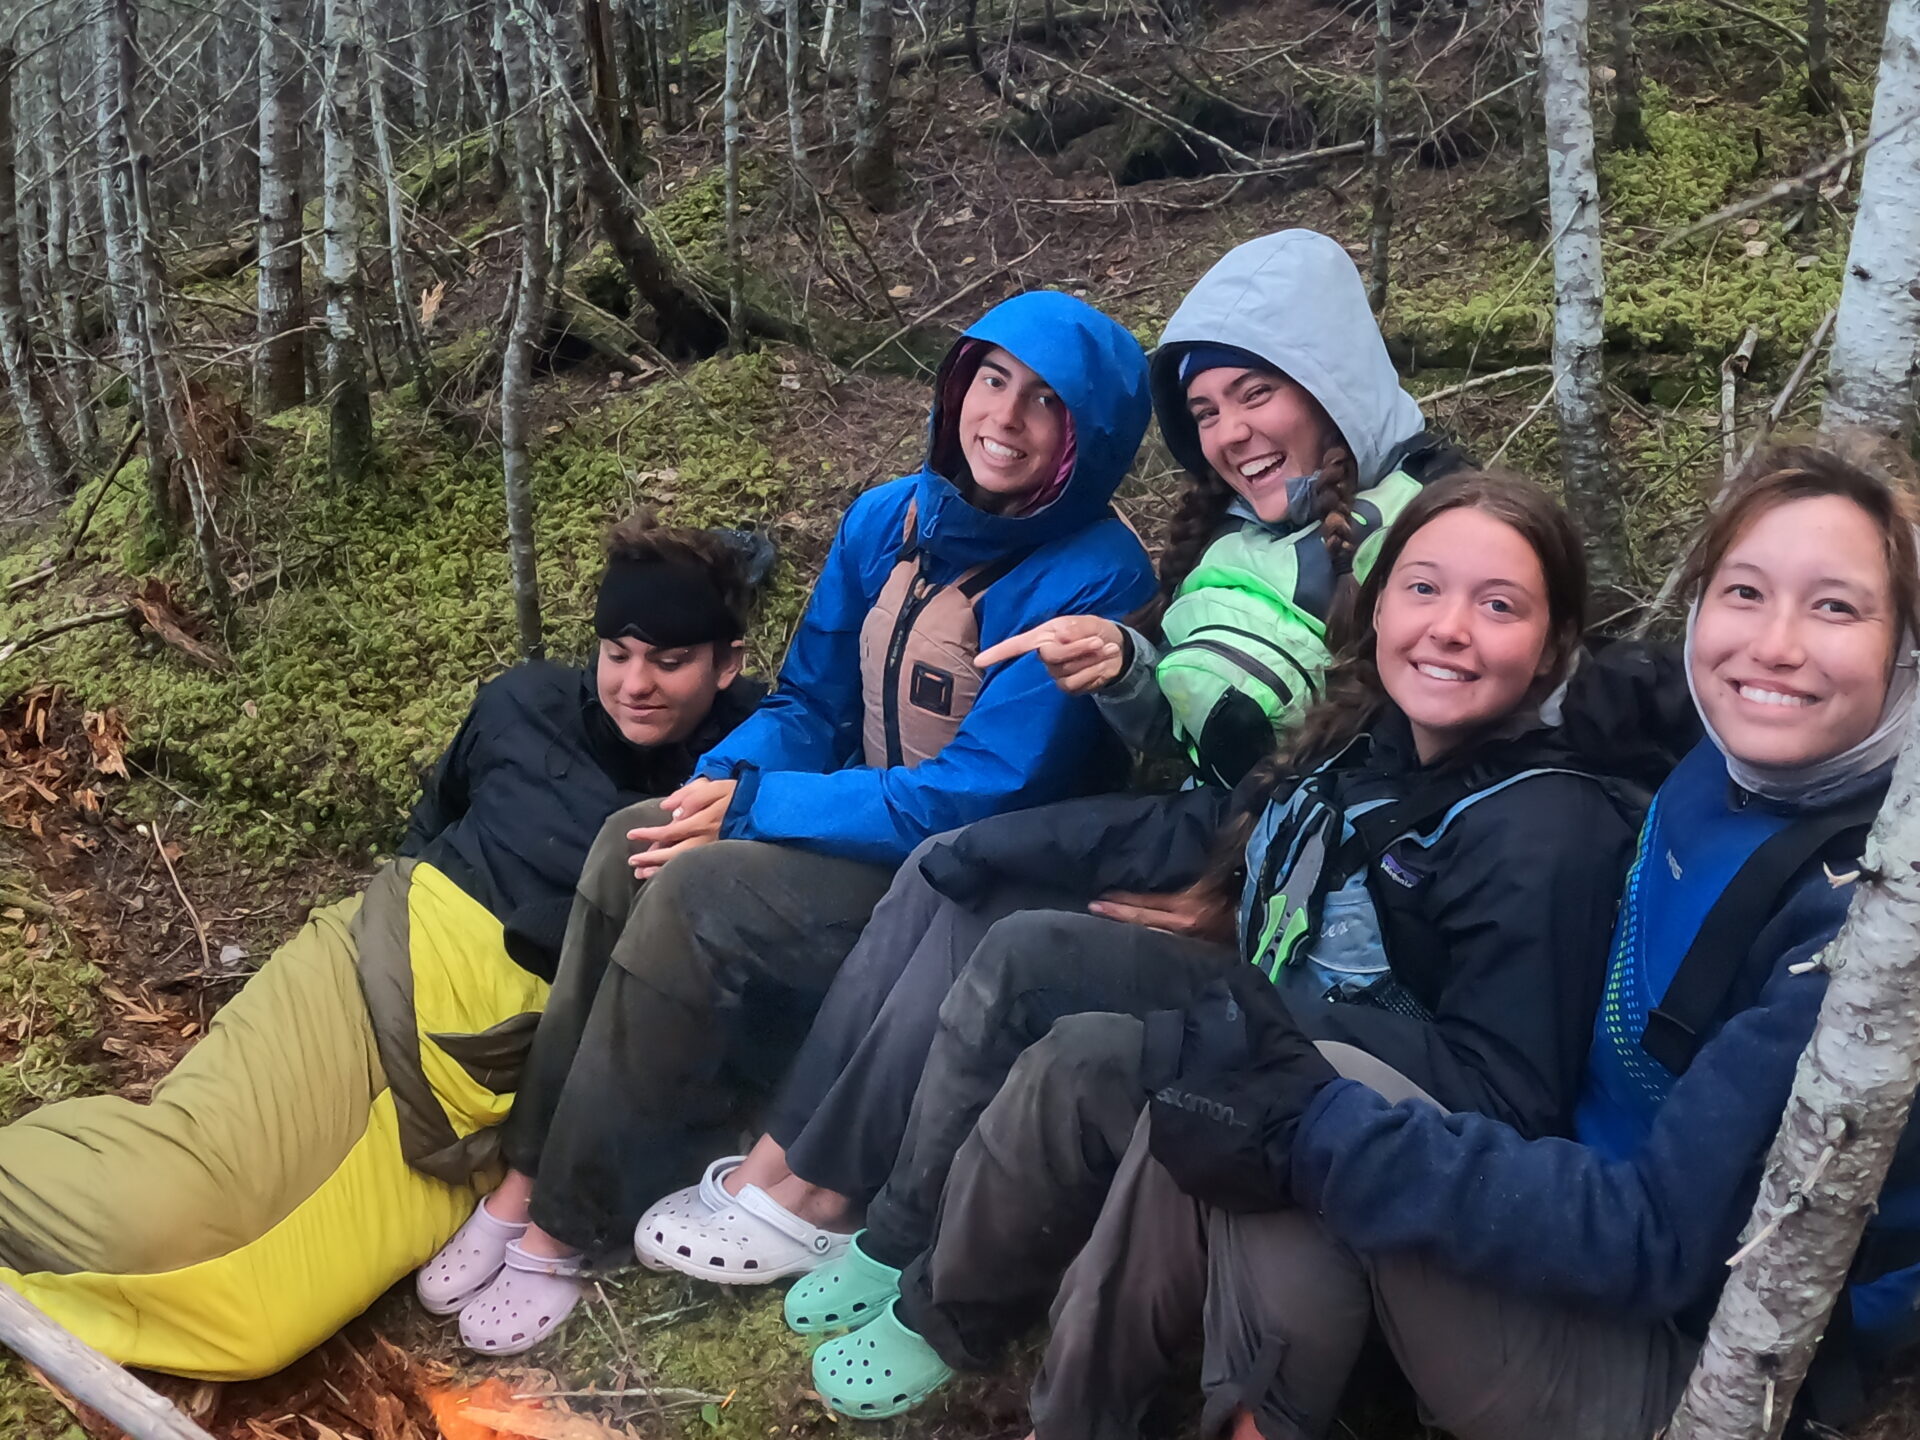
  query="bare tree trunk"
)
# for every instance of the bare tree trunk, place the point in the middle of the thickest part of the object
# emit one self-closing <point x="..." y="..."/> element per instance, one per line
<point x="279" y="361"/>
<point x="688" y="324"/>
<point x="75" y="370"/>
<point x="114" y="100"/>
<point x="1382" y="234"/>
<point x="1851" y="1095"/>
<point x="606" y="86"/>
<point x="1821" y="92"/>
<point x="529" y="321"/>
<point x="874" y="174"/>
<point x="349" y="412"/>
<point x="418" y="365"/>
<point x="487" y="65"/>
<point x="796" y="128"/>
<point x="1579" y="361"/>
<point x="32" y="397"/>
<point x="1870" y="374"/>
<point x="1629" y="122"/>
<point x="730" y="109"/>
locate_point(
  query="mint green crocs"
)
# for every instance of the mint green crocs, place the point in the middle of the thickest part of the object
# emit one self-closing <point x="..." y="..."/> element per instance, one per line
<point x="843" y="1294"/>
<point x="880" y="1370"/>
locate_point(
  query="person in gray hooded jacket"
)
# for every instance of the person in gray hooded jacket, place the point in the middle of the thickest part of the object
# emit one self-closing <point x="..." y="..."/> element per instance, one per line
<point x="1275" y="393"/>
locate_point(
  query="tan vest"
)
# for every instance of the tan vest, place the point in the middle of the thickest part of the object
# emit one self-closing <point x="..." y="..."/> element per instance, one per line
<point x="916" y="656"/>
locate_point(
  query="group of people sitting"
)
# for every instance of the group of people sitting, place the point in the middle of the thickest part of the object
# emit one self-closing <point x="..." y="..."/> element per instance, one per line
<point x="1454" y="999"/>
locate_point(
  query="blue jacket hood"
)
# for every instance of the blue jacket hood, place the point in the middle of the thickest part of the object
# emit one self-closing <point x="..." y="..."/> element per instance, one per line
<point x="1098" y="369"/>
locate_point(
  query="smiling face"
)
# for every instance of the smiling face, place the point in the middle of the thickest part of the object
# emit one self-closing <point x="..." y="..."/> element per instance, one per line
<point x="1793" y="639"/>
<point x="1012" y="427"/>
<point x="659" y="696"/>
<point x="1462" y="626"/>
<point x="1258" y="430"/>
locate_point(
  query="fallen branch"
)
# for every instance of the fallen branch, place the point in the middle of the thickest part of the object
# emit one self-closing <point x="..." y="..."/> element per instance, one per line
<point x="946" y="304"/>
<point x="1787" y="189"/>
<point x="47" y="571"/>
<point x="199" y="930"/>
<point x="955" y="47"/>
<point x="60" y="627"/>
<point x="1447" y="392"/>
<point x="89" y="1376"/>
<point x="27" y="903"/>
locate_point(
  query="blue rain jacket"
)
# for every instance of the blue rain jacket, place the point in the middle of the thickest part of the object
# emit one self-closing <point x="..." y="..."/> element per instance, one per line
<point x="798" y="760"/>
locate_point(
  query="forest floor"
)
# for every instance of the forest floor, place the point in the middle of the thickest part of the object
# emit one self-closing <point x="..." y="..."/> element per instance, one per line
<point x="173" y="800"/>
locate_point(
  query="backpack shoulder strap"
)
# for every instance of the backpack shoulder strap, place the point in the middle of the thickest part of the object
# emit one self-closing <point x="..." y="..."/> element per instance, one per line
<point x="1699" y="988"/>
<point x="1376" y="829"/>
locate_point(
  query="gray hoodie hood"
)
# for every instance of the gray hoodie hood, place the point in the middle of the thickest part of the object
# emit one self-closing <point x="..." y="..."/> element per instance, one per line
<point x="1295" y="299"/>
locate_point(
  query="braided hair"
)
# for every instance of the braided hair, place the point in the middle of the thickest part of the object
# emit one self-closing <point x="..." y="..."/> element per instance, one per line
<point x="1202" y="512"/>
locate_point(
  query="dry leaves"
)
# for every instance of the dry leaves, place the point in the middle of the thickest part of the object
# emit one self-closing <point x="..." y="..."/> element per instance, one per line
<point x="172" y="624"/>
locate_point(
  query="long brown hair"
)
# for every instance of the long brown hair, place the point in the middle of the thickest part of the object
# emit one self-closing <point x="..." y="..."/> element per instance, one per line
<point x="1869" y="472"/>
<point x="1354" y="694"/>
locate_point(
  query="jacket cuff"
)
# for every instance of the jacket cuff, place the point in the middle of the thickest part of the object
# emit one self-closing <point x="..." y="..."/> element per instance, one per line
<point x="1316" y="1140"/>
<point x="746" y="786"/>
<point x="1138" y="678"/>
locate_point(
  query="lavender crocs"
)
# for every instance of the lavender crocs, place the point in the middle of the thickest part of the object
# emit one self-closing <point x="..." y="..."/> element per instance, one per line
<point x="755" y="1239"/>
<point x="467" y="1263"/>
<point x="686" y="1204"/>
<point x="527" y="1303"/>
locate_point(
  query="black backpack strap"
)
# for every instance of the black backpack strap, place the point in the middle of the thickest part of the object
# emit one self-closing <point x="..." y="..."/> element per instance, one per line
<point x="1699" y="989"/>
<point x="971" y="585"/>
<point x="1378" y="828"/>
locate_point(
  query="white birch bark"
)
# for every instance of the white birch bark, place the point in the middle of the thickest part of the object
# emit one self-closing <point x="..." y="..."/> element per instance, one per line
<point x="874" y="175"/>
<point x="1382" y="229"/>
<point x="279" y="357"/>
<point x="1849" y="1105"/>
<point x="398" y="265"/>
<point x="529" y="322"/>
<point x="1870" y="372"/>
<point x="1579" y="286"/>
<point x="350" y="416"/>
<point x="32" y="397"/>
<point x="75" y="368"/>
<point x="796" y="128"/>
<point x="113" y="74"/>
<point x="730" y="112"/>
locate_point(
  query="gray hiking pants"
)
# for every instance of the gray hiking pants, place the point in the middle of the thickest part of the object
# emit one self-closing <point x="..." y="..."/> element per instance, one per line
<point x="669" y="992"/>
<point x="1283" y="1309"/>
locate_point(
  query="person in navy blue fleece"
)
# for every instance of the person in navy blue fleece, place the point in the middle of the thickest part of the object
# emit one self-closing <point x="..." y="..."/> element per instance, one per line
<point x="1536" y="1287"/>
<point x="706" y="926"/>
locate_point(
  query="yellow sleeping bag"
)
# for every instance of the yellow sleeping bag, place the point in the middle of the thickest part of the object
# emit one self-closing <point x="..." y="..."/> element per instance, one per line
<point x="264" y="1196"/>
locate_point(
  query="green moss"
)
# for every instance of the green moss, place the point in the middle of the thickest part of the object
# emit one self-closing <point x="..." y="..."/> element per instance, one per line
<point x="28" y="1410"/>
<point x="51" y="993"/>
<point x="395" y="600"/>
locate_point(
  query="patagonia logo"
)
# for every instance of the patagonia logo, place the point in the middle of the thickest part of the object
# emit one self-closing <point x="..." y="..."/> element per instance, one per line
<point x="931" y="689"/>
<point x="1398" y="873"/>
<point x="1198" y="1105"/>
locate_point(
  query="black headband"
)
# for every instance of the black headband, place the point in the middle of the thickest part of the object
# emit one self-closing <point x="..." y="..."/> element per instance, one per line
<point x="662" y="603"/>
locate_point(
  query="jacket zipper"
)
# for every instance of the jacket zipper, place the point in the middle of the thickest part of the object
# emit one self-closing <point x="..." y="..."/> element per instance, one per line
<point x="1261" y="672"/>
<point x="919" y="593"/>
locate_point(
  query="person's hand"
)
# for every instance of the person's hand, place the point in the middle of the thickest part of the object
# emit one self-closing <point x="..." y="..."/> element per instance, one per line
<point x="694" y="813"/>
<point x="1082" y="653"/>
<point x="1199" y="912"/>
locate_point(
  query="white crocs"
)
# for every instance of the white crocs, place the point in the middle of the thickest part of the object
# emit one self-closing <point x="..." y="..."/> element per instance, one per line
<point x="753" y="1240"/>
<point x="526" y="1303"/>
<point x="695" y="1200"/>
<point x="467" y="1263"/>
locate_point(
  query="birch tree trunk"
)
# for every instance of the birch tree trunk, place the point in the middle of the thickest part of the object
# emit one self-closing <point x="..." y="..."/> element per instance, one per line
<point x="349" y="412"/>
<point x="1382" y="234"/>
<point x="75" y="369"/>
<point x="730" y="111"/>
<point x="114" y="97"/>
<point x="874" y="175"/>
<point x="1851" y="1095"/>
<point x="279" y="359"/>
<point x="1573" y="201"/>
<point x="529" y="321"/>
<point x="796" y="129"/>
<point x="1870" y="372"/>
<point x="412" y="344"/>
<point x="32" y="397"/>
